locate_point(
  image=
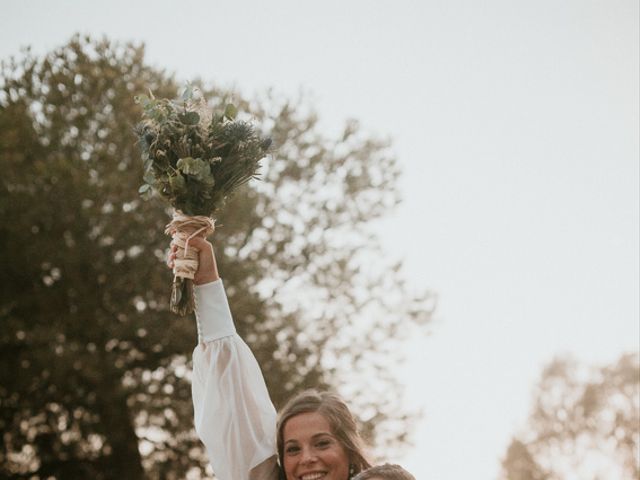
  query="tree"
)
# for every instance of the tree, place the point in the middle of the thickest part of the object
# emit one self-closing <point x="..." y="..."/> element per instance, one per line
<point x="585" y="424"/>
<point x="94" y="377"/>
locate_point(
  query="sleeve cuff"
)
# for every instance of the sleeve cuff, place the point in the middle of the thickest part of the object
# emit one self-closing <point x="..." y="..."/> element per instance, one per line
<point x="213" y="315"/>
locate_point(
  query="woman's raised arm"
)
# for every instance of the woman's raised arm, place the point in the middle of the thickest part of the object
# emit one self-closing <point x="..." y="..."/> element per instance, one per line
<point x="234" y="416"/>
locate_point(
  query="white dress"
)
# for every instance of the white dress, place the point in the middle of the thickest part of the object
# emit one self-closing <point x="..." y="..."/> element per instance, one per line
<point x="234" y="416"/>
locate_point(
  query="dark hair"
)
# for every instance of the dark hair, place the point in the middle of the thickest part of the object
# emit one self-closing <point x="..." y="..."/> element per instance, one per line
<point x="340" y="419"/>
<point x="387" y="472"/>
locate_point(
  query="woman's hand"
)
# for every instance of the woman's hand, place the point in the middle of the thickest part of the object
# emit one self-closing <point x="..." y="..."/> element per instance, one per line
<point x="207" y="267"/>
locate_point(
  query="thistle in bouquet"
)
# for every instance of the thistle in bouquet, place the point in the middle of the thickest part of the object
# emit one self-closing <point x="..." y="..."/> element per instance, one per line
<point x="194" y="158"/>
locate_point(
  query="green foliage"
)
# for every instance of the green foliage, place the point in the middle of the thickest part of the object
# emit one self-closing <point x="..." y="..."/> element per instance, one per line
<point x="191" y="161"/>
<point x="94" y="378"/>
<point x="585" y="423"/>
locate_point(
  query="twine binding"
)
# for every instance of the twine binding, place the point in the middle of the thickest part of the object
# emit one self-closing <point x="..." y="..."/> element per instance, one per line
<point x="182" y="229"/>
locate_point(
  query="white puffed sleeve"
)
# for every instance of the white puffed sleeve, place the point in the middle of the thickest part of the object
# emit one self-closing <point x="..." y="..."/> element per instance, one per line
<point x="234" y="416"/>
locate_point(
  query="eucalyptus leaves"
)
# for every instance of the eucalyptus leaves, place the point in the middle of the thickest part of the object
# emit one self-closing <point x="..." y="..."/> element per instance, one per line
<point x="194" y="158"/>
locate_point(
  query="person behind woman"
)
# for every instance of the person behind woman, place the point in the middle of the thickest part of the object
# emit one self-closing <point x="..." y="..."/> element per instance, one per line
<point x="385" y="472"/>
<point x="315" y="436"/>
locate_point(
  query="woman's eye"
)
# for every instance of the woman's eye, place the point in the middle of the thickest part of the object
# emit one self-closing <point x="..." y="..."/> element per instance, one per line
<point x="323" y="443"/>
<point x="292" y="450"/>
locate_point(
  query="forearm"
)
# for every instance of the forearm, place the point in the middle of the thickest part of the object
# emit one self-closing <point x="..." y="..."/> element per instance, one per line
<point x="213" y="315"/>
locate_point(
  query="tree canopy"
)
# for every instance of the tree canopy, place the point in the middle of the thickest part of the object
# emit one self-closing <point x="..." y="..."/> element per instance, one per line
<point x="585" y="424"/>
<point x="94" y="377"/>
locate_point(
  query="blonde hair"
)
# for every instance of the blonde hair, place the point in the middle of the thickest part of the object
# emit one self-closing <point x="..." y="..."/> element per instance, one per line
<point x="340" y="419"/>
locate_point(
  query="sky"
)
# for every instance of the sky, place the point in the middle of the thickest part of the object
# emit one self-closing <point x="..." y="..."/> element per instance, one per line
<point x="516" y="126"/>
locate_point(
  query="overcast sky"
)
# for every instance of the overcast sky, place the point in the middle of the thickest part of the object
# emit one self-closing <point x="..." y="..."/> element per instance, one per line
<point x="516" y="125"/>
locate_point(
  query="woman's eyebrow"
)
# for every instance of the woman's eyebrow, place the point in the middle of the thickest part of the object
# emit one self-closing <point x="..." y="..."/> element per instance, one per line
<point x="315" y="435"/>
<point x="321" y="434"/>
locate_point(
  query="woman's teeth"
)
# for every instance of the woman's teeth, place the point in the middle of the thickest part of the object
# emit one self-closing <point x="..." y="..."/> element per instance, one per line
<point x="312" y="476"/>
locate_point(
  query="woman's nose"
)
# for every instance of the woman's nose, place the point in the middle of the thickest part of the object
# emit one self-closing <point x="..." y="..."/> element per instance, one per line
<point x="308" y="456"/>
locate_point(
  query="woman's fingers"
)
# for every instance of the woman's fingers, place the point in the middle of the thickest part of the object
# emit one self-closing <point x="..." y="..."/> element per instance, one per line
<point x="171" y="257"/>
<point x="207" y="268"/>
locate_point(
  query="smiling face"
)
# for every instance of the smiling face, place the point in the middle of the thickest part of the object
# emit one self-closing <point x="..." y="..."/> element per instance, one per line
<point x="311" y="451"/>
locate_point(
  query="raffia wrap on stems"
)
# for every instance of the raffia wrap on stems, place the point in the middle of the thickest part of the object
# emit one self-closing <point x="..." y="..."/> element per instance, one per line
<point x="182" y="229"/>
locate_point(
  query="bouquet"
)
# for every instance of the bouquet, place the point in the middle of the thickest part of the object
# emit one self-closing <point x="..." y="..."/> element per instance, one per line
<point x="194" y="158"/>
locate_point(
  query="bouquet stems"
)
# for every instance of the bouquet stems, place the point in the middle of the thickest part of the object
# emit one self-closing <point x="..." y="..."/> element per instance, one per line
<point x="182" y="229"/>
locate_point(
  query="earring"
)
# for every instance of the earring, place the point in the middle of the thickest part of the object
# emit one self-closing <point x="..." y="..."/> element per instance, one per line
<point x="352" y="470"/>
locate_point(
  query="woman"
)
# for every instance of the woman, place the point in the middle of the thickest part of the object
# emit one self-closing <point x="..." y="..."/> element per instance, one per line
<point x="314" y="438"/>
